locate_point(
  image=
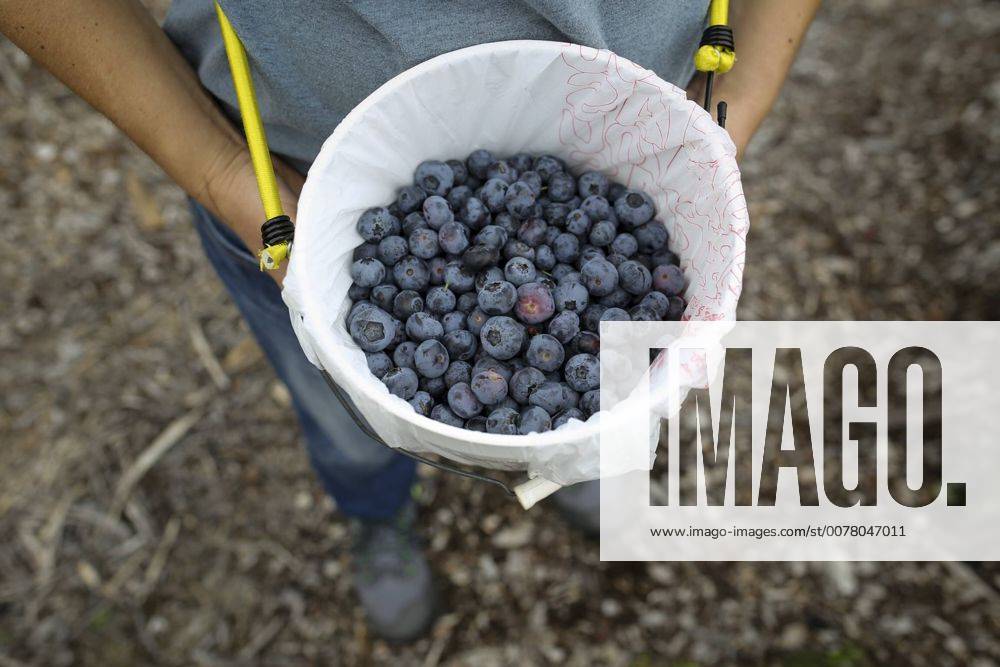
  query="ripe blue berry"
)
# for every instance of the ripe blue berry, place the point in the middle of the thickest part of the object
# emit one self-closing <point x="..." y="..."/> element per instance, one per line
<point x="497" y="298"/>
<point x="550" y="396"/>
<point x="407" y="302"/>
<point x="490" y="275"/>
<point x="442" y="414"/>
<point x="571" y="295"/>
<point x="566" y="415"/>
<point x="458" y="371"/>
<point x="501" y="337"/>
<point x="534" y="420"/>
<point x="634" y="278"/>
<point x="422" y="403"/>
<point x="453" y="237"/>
<point x="625" y="245"/>
<point x="462" y="401"/>
<point x="411" y="273"/>
<point x="652" y="237"/>
<point x="373" y="329"/>
<point x="440" y="300"/>
<point x="402" y="356"/>
<point x="493" y="195"/>
<point x="562" y="187"/>
<point x="519" y="271"/>
<point x="475" y="320"/>
<point x="668" y="279"/>
<point x="656" y="302"/>
<point x="566" y="247"/>
<point x="564" y="326"/>
<point x="383" y="296"/>
<point x="378" y="363"/>
<point x="434" y="177"/>
<point x="533" y="232"/>
<point x="545" y="259"/>
<point x="578" y="222"/>
<point x="525" y="381"/>
<point x="597" y="208"/>
<point x="489" y="387"/>
<point x="583" y="372"/>
<point x="458" y="278"/>
<point x="453" y="321"/>
<point x="599" y="276"/>
<point x="424" y="243"/>
<point x="503" y="421"/>
<point x="545" y="353"/>
<point x="493" y="236"/>
<point x="410" y="198"/>
<point x="634" y="208"/>
<point x="590" y="402"/>
<point x="437" y="212"/>
<point x="461" y="344"/>
<point x="478" y="162"/>
<point x="377" y="223"/>
<point x="519" y="200"/>
<point x="367" y="272"/>
<point x="401" y="382"/>
<point x="431" y="359"/>
<point x="602" y="233"/>
<point x="615" y="315"/>
<point x="535" y="303"/>
<point x="593" y="183"/>
<point x="423" y="326"/>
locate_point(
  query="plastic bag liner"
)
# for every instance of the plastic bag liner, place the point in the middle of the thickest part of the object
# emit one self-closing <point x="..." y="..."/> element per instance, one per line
<point x="593" y="109"/>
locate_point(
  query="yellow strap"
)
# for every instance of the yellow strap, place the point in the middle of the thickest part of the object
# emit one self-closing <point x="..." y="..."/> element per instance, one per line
<point x="710" y="58"/>
<point x="253" y="127"/>
<point x="718" y="12"/>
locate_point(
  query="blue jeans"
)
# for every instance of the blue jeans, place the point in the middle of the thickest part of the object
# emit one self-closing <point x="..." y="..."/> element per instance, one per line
<point x="366" y="479"/>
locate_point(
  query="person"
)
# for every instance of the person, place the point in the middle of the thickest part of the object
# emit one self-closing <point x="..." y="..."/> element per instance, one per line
<point x="171" y="92"/>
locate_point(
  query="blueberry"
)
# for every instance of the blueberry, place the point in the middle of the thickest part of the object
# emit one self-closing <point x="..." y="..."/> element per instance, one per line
<point x="546" y="166"/>
<point x="652" y="237"/>
<point x="559" y="271"/>
<point x="535" y="303"/>
<point x="497" y="298"/>
<point x="461" y="344"/>
<point x="587" y="253"/>
<point x="564" y="326"/>
<point x="566" y="415"/>
<point x="562" y="187"/>
<point x="597" y="208"/>
<point x="424" y="243"/>
<point x="551" y="234"/>
<point x="534" y="420"/>
<point x="545" y="353"/>
<point x="458" y="195"/>
<point x="458" y="371"/>
<point x="434" y="177"/>
<point x="365" y="250"/>
<point x="593" y="183"/>
<point x="615" y="259"/>
<point x="493" y="194"/>
<point x="458" y="278"/>
<point x="618" y="298"/>
<point x="383" y="296"/>
<point x="521" y="161"/>
<point x="489" y="387"/>
<point x="578" y="222"/>
<point x="423" y="326"/>
<point x="599" y="276"/>
<point x="658" y="303"/>
<point x="391" y="249"/>
<point x="462" y="401"/>
<point x="403" y="354"/>
<point x="532" y="179"/>
<point x="406" y="303"/>
<point x="373" y="329"/>
<point x="473" y="213"/>
<point x="533" y="232"/>
<point x="422" y="403"/>
<point x="550" y="396"/>
<point x="401" y="382"/>
<point x="519" y="271"/>
<point x="378" y="363"/>
<point x="602" y="233"/>
<point x="431" y="359"/>
<point x="501" y="337"/>
<point x="458" y="171"/>
<point x="477" y="423"/>
<point x="466" y="302"/>
<point x="615" y="315"/>
<point x="518" y="248"/>
<point x="590" y="402"/>
<point x="442" y="414"/>
<point x="634" y="208"/>
<point x="503" y="421"/>
<point x="668" y="279"/>
<point x="486" y="362"/>
<point x="525" y="381"/>
<point x="453" y="321"/>
<point x="677" y="307"/>
<point x="410" y="198"/>
<point x="367" y="272"/>
<point x="440" y="300"/>
<point x="566" y="247"/>
<point x="556" y="212"/>
<point x="478" y="162"/>
<point x="435" y="269"/>
<point x="625" y="244"/>
<point x="586" y="342"/>
<point x="491" y="275"/>
<point x="590" y="320"/>
<point x="494" y="236"/>
<point x="437" y="212"/>
<point x="475" y="320"/>
<point x="583" y="372"/>
<point x="509" y="403"/>
<point x="664" y="256"/>
<point x="571" y="295"/>
<point x="356" y="292"/>
<point x="507" y="223"/>
<point x="501" y="170"/>
<point x="411" y="273"/>
<point x="519" y="199"/>
<point x="479" y="256"/>
<point x="436" y="387"/>
<point x="413" y="222"/>
<point x="545" y="259"/>
<point x="634" y="277"/>
<point x="377" y="223"/>
<point x="643" y="313"/>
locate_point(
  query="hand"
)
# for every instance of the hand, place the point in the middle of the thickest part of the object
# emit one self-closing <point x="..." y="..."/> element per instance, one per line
<point x="231" y="194"/>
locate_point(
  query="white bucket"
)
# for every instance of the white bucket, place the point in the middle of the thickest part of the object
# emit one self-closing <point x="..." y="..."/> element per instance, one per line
<point x="589" y="107"/>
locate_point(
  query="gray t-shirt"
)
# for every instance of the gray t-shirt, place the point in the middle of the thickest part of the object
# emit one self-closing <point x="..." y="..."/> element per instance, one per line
<point x="313" y="61"/>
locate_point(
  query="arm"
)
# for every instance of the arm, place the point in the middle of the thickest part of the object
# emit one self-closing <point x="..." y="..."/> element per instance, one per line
<point x="767" y="34"/>
<point x="113" y="54"/>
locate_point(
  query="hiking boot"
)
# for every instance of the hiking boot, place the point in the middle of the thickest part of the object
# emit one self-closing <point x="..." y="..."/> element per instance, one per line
<point x="580" y="505"/>
<point x="392" y="577"/>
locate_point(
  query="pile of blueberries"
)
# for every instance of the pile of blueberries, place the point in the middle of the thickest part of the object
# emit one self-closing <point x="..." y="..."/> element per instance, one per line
<point x="478" y="293"/>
